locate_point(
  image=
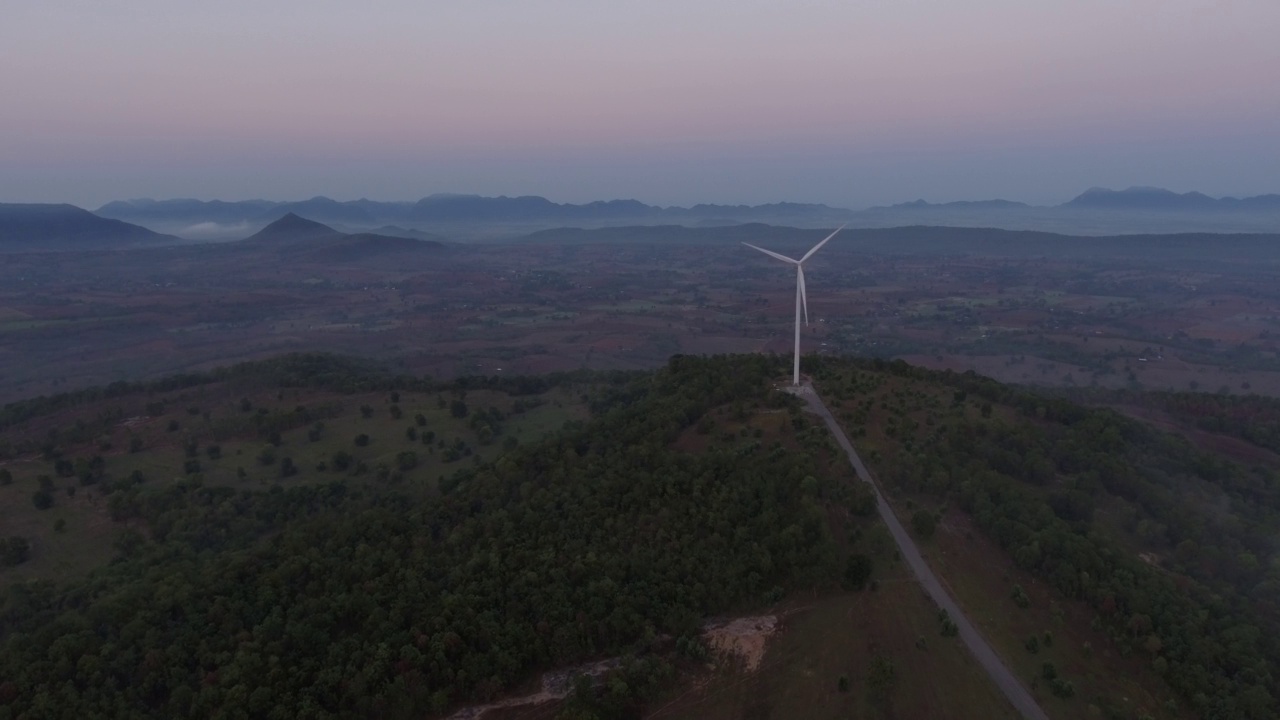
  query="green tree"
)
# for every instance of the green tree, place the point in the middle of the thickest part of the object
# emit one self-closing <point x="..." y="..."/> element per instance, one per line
<point x="406" y="460"/>
<point x="924" y="523"/>
<point x="42" y="499"/>
<point x="458" y="409"/>
<point x="341" y="460"/>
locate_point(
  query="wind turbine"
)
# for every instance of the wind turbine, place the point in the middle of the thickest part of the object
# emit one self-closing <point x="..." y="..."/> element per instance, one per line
<point x="802" y="299"/>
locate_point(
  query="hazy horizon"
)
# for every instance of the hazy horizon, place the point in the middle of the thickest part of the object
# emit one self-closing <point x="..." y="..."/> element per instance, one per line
<point x="669" y="104"/>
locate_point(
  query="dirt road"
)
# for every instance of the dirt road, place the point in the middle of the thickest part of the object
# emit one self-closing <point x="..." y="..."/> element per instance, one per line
<point x="982" y="651"/>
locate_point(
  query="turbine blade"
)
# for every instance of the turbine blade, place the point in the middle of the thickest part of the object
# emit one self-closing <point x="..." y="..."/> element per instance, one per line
<point x="770" y="253"/>
<point x="824" y="242"/>
<point x="804" y="295"/>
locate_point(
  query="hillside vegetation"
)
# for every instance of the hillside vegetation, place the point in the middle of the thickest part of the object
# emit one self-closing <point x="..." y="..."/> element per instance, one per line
<point x="312" y="536"/>
<point x="1169" y="546"/>
<point x="327" y="592"/>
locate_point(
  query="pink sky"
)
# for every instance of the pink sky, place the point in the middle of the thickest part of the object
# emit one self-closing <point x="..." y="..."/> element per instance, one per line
<point x="674" y="103"/>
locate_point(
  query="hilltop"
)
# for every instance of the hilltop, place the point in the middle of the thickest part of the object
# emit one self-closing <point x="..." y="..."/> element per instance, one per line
<point x="292" y="228"/>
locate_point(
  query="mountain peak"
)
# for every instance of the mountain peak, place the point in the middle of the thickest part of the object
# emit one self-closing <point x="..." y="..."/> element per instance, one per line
<point x="294" y="227"/>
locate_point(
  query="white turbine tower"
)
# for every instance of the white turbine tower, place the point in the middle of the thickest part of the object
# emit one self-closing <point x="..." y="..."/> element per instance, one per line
<point x="802" y="299"/>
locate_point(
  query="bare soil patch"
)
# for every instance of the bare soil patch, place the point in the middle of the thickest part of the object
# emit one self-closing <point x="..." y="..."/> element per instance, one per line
<point x="743" y="638"/>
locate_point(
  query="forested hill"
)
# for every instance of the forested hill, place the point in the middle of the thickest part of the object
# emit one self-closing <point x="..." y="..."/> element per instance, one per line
<point x="374" y="592"/>
<point x="1171" y="547"/>
<point x="312" y="536"/>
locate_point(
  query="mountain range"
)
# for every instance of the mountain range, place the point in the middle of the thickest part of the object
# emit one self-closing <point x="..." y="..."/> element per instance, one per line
<point x="1097" y="211"/>
<point x="469" y="217"/>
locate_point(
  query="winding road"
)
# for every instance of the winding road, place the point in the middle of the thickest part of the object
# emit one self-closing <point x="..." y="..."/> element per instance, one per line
<point x="978" y="646"/>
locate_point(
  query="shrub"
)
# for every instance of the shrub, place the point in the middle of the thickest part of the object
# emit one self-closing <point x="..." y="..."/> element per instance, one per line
<point x="42" y="499"/>
<point x="924" y="523"/>
<point x="857" y="571"/>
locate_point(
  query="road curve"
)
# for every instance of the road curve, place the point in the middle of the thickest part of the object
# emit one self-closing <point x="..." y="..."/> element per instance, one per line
<point x="982" y="651"/>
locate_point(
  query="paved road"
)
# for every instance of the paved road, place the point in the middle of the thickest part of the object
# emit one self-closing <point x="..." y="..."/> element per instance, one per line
<point x="987" y="657"/>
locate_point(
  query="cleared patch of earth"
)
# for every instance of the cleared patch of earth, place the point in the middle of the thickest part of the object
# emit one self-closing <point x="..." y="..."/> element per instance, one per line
<point x="740" y="638"/>
<point x="743" y="638"/>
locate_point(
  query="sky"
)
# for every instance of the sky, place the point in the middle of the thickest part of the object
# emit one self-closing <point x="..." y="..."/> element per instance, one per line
<point x="851" y="104"/>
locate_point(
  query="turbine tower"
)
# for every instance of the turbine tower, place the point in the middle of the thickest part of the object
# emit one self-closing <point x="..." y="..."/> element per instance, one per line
<point x="802" y="299"/>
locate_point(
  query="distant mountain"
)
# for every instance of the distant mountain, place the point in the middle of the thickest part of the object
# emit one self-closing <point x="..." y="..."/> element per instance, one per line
<point x="1141" y="198"/>
<point x="186" y="210"/>
<point x="476" y="217"/>
<point x="298" y="239"/>
<point x="63" y="227"/>
<point x="1152" y="198"/>
<point x="196" y="218"/>
<point x="293" y="228"/>
<point x="957" y="205"/>
<point x="323" y="209"/>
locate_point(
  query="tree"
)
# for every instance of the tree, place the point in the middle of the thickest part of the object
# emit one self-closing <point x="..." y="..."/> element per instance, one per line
<point x="924" y="523"/>
<point x="406" y="460"/>
<point x="6" y="477"/>
<point x="362" y="440"/>
<point x="341" y="460"/>
<point x="458" y="409"/>
<point x="857" y="571"/>
<point x="42" y="499"/>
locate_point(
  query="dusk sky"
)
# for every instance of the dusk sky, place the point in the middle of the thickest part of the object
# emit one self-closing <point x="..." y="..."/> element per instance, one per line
<point x="734" y="101"/>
